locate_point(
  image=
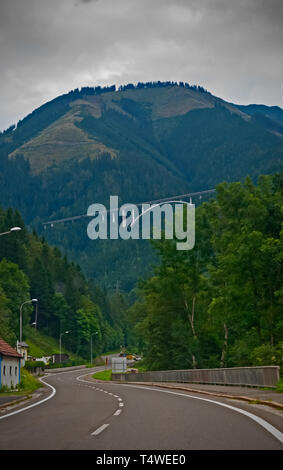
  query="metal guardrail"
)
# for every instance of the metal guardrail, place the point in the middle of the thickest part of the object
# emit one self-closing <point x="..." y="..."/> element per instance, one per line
<point x="260" y="376"/>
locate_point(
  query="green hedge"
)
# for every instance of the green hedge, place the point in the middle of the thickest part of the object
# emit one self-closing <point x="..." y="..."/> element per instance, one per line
<point x="34" y="364"/>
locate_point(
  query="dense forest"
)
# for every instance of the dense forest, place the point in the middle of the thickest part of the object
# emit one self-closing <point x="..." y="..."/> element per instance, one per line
<point x="30" y="268"/>
<point x="220" y="304"/>
<point x="137" y="142"/>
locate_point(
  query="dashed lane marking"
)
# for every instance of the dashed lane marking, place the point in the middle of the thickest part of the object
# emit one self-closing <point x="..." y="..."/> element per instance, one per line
<point x="100" y="429"/>
<point x="117" y="412"/>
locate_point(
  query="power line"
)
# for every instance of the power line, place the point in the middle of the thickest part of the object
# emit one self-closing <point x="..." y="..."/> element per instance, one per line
<point x="156" y="201"/>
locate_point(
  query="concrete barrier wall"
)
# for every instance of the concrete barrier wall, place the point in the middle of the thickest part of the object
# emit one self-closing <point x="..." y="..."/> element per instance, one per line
<point x="265" y="376"/>
<point x="63" y="369"/>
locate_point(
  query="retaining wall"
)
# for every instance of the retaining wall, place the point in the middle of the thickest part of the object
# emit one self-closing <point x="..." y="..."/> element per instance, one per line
<point x="262" y="376"/>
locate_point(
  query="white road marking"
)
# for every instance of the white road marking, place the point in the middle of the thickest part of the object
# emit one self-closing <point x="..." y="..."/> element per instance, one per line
<point x="120" y="399"/>
<point x="121" y="404"/>
<point x="118" y="412"/>
<point x="34" y="404"/>
<point x="45" y="399"/>
<point x="271" y="429"/>
<point x="99" y="430"/>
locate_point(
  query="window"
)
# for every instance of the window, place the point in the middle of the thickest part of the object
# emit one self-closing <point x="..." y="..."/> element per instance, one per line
<point x="16" y="371"/>
<point x="10" y="370"/>
<point x="4" y="370"/>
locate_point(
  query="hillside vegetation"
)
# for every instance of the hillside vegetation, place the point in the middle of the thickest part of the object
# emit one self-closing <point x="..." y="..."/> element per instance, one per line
<point x="31" y="268"/>
<point x="221" y="303"/>
<point x="140" y="142"/>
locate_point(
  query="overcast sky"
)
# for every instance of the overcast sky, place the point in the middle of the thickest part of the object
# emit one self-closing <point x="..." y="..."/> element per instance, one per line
<point x="48" y="47"/>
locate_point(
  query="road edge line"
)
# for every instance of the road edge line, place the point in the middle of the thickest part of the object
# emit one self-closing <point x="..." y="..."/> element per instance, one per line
<point x="33" y="404"/>
<point x="267" y="426"/>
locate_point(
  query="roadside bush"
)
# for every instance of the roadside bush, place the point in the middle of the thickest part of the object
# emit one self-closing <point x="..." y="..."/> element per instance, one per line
<point x="30" y="365"/>
<point x="266" y="355"/>
<point x="28" y="383"/>
<point x="279" y="387"/>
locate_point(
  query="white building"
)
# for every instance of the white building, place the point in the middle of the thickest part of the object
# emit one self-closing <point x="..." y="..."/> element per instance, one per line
<point x="10" y="365"/>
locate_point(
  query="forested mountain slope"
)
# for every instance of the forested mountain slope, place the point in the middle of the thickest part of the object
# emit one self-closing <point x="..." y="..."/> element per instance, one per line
<point x="31" y="268"/>
<point x="140" y="142"/>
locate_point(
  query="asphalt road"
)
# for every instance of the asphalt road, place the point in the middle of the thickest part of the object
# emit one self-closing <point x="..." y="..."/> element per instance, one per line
<point x="105" y="416"/>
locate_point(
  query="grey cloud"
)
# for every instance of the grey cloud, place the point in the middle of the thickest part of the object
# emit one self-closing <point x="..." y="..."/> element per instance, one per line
<point x="47" y="48"/>
<point x="87" y="1"/>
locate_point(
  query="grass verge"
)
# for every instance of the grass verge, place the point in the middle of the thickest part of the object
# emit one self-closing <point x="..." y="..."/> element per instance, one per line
<point x="27" y="385"/>
<point x="103" y="375"/>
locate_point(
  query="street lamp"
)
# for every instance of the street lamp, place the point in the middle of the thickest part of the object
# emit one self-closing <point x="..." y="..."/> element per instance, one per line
<point x="35" y="319"/>
<point x="13" y="229"/>
<point x="21" y="316"/>
<point x="96" y="333"/>
<point x="65" y="333"/>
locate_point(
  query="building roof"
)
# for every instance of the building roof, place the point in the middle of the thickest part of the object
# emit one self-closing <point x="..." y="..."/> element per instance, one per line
<point x="7" y="350"/>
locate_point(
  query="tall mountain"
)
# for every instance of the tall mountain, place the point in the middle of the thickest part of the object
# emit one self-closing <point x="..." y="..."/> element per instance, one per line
<point x="140" y="142"/>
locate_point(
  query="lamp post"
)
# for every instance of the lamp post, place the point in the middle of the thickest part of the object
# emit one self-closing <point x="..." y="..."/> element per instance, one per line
<point x="35" y="319"/>
<point x="21" y="316"/>
<point x="13" y="229"/>
<point x="96" y="333"/>
<point x="65" y="333"/>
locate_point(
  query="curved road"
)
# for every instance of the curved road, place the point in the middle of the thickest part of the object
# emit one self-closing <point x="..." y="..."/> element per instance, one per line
<point x="82" y="414"/>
